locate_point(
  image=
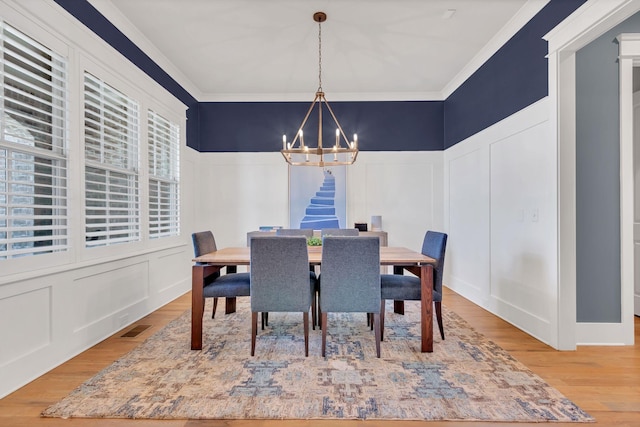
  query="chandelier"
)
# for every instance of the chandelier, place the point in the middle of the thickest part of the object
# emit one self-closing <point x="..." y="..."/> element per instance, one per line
<point x="342" y="151"/>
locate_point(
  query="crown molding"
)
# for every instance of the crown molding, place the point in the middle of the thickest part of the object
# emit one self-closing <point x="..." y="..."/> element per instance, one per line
<point x="332" y="97"/>
<point x="120" y="21"/>
<point x="524" y="15"/>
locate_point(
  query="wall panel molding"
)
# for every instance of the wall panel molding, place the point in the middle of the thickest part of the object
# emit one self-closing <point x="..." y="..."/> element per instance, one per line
<point x="500" y="199"/>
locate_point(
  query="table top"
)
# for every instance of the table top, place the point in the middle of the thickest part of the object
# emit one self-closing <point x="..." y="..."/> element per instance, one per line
<point x="389" y="255"/>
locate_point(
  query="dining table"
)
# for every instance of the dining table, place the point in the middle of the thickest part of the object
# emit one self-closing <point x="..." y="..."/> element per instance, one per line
<point x="399" y="257"/>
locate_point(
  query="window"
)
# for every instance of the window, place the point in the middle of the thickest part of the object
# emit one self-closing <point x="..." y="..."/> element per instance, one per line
<point x="164" y="177"/>
<point x="112" y="207"/>
<point x="33" y="147"/>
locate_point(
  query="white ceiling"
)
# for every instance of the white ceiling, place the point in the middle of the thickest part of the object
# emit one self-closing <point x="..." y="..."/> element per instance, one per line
<point x="239" y="50"/>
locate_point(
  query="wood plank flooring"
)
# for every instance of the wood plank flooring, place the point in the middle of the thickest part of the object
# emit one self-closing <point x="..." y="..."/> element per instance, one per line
<point x="604" y="381"/>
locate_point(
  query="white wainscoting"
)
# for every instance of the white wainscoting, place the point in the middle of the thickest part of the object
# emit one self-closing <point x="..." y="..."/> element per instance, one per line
<point x="32" y="332"/>
<point x="239" y="192"/>
<point x="501" y="216"/>
<point x="50" y="317"/>
<point x="107" y="292"/>
<point x="404" y="188"/>
<point x="54" y="306"/>
<point x="467" y="215"/>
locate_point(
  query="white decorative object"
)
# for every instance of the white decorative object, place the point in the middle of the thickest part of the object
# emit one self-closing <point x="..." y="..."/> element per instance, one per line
<point x="376" y="223"/>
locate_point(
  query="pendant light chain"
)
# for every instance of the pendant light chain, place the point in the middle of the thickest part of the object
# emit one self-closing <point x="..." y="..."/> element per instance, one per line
<point x="319" y="56"/>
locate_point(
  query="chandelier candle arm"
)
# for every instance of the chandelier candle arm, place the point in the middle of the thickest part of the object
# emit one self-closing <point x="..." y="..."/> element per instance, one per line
<point x="296" y="153"/>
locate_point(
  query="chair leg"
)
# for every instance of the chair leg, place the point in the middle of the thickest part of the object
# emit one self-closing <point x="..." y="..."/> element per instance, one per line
<point x="376" y="326"/>
<point x="319" y="312"/>
<point x="314" y="314"/>
<point x="305" y="320"/>
<point x="254" y="331"/>
<point x="398" y="307"/>
<point x="229" y="305"/>
<point x="323" y="326"/>
<point x="370" y="320"/>
<point x="438" y="307"/>
<point x="215" y="305"/>
<point x="382" y="320"/>
<point x="265" y="319"/>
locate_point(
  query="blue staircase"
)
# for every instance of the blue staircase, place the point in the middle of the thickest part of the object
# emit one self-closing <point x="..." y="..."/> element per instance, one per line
<point x="321" y="211"/>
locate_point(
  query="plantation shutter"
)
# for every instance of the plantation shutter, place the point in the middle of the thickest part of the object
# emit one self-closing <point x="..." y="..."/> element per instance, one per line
<point x="164" y="176"/>
<point x="33" y="147"/>
<point x="112" y="207"/>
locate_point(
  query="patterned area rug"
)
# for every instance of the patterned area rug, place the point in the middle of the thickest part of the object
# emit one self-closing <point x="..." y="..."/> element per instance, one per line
<point x="467" y="377"/>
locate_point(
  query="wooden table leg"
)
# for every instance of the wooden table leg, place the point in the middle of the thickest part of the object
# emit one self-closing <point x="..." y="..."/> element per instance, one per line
<point x="398" y="306"/>
<point x="230" y="303"/>
<point x="197" y="306"/>
<point x="426" y="307"/>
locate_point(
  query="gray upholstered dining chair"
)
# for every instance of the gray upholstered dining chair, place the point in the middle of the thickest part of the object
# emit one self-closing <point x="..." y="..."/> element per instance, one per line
<point x="230" y="285"/>
<point x="399" y="287"/>
<point x="280" y="280"/>
<point x="350" y="280"/>
<point x="339" y="232"/>
<point x="306" y="232"/>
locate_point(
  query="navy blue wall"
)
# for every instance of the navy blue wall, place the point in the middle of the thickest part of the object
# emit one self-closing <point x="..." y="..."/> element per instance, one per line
<point x="513" y="78"/>
<point x="381" y="126"/>
<point x="96" y="22"/>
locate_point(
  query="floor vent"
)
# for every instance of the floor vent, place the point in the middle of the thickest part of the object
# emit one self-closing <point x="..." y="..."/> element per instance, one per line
<point x="137" y="330"/>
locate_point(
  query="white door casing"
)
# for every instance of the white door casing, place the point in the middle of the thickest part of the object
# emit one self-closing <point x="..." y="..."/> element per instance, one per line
<point x="629" y="54"/>
<point x="636" y="208"/>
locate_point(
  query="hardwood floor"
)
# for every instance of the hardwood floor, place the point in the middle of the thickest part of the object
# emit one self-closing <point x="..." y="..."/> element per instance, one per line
<point x="604" y="381"/>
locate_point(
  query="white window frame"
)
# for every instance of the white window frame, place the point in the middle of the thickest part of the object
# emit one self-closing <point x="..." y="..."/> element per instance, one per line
<point x="111" y="151"/>
<point x="163" y="148"/>
<point x="33" y="148"/>
<point x="42" y="22"/>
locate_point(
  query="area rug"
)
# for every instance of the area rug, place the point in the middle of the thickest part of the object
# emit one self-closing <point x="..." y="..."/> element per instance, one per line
<point x="467" y="377"/>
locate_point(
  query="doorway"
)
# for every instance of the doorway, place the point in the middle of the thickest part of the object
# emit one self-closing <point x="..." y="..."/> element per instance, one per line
<point x="595" y="18"/>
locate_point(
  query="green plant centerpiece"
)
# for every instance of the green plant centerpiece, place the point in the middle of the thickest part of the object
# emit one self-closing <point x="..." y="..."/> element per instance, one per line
<point x="314" y="241"/>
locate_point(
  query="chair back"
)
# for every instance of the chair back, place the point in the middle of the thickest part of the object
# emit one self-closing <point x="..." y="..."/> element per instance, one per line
<point x="350" y="274"/>
<point x="434" y="246"/>
<point x="339" y="232"/>
<point x="279" y="272"/>
<point x="203" y="243"/>
<point x="306" y="232"/>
